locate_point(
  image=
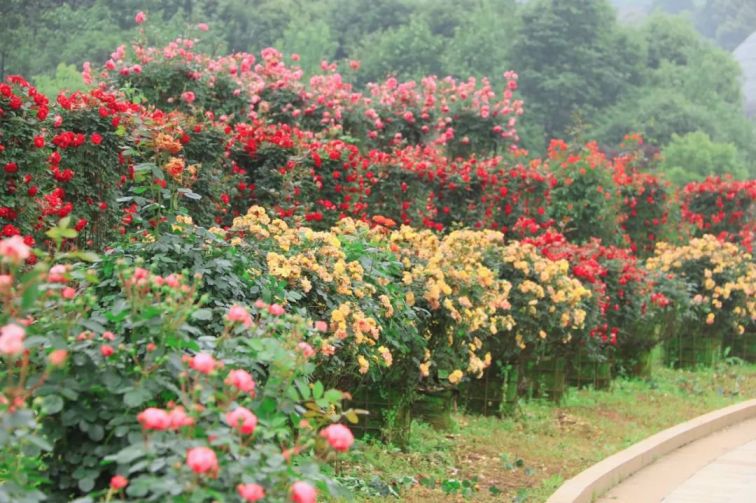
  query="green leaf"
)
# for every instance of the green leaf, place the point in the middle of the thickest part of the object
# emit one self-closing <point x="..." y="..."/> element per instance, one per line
<point x="136" y="397"/>
<point x="334" y="396"/>
<point x="202" y="314"/>
<point x="52" y="404"/>
<point x="39" y="442"/>
<point x="129" y="454"/>
<point x="304" y="389"/>
<point x="86" y="484"/>
<point x="86" y="256"/>
<point x="317" y="390"/>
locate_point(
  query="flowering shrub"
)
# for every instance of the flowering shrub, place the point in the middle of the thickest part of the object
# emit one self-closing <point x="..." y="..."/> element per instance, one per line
<point x="123" y="395"/>
<point x="722" y="207"/>
<point x="584" y="201"/>
<point x="720" y="281"/>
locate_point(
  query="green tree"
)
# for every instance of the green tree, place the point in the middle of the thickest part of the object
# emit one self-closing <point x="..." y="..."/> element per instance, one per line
<point x="694" y="156"/>
<point x="311" y="39"/>
<point x="728" y="22"/>
<point x="66" y="78"/>
<point x="409" y="51"/>
<point x="690" y="85"/>
<point x="573" y="61"/>
<point x="480" y="43"/>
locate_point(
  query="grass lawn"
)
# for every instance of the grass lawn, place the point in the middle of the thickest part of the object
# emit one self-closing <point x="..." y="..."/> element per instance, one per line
<point x="524" y="459"/>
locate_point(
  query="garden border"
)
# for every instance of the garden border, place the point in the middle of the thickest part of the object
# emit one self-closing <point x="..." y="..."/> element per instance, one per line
<point x="601" y="477"/>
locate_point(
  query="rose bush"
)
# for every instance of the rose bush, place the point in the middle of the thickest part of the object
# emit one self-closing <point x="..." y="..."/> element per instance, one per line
<point x="123" y="394"/>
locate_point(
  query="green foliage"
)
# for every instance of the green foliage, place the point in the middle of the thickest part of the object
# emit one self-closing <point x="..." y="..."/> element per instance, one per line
<point x="95" y="362"/>
<point x="694" y="156"/>
<point x="311" y="39"/>
<point x="481" y="41"/>
<point x="410" y="50"/>
<point x="565" y="45"/>
<point x="66" y="78"/>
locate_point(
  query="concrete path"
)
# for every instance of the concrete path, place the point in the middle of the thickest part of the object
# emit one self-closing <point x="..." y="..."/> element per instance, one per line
<point x="720" y="468"/>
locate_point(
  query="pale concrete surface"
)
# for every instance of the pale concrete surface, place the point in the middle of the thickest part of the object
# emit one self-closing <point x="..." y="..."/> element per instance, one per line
<point x="719" y="468"/>
<point x="730" y="478"/>
<point x="597" y="480"/>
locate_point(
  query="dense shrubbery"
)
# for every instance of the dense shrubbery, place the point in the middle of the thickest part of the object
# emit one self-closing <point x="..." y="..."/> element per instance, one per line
<point x="261" y="239"/>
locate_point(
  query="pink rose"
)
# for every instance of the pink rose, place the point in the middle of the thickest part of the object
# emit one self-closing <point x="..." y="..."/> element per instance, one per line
<point x="241" y="380"/>
<point x="306" y="349"/>
<point x="302" y="492"/>
<point x="57" y="274"/>
<point x="203" y="27"/>
<point x="106" y="350"/>
<point x="58" y="357"/>
<point x="276" y="309"/>
<point x="202" y="460"/>
<point x="260" y="304"/>
<point x="6" y="280"/>
<point x="338" y="436"/>
<point x="179" y="418"/>
<point x="14" y="250"/>
<point x="242" y="420"/>
<point x="12" y="339"/>
<point x="68" y="293"/>
<point x="172" y="280"/>
<point x="203" y="363"/>
<point x="321" y="326"/>
<point x="154" y="419"/>
<point x="140" y="17"/>
<point x="250" y="492"/>
<point x="140" y="273"/>
<point x="239" y="314"/>
<point x="118" y="482"/>
<point x="188" y="97"/>
<point x="108" y="336"/>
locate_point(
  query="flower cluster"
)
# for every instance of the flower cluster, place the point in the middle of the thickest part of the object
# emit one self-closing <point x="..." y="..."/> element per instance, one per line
<point x="720" y="278"/>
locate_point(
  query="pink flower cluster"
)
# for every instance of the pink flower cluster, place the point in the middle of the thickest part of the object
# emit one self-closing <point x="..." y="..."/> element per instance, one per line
<point x="160" y="420"/>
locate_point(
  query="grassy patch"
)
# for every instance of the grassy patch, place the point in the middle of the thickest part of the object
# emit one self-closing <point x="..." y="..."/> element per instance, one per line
<point x="524" y="459"/>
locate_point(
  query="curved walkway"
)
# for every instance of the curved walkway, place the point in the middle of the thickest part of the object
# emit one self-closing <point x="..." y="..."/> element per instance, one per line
<point x="719" y="468"/>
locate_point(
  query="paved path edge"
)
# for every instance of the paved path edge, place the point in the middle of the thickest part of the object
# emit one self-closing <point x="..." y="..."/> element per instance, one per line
<point x="599" y="478"/>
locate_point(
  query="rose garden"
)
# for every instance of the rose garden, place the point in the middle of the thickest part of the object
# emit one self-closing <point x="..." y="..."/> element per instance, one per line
<point x="215" y="273"/>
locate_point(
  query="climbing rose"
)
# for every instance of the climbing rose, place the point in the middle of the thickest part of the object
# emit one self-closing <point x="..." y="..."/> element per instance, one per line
<point x="154" y="419"/>
<point x="140" y="17"/>
<point x="242" y="420"/>
<point x="203" y="363"/>
<point x="188" y="97"/>
<point x="241" y="380"/>
<point x="12" y="339"/>
<point x="201" y="460"/>
<point x="250" y="492"/>
<point x="118" y="482"/>
<point x="338" y="436"/>
<point x="302" y="492"/>
<point x="106" y="350"/>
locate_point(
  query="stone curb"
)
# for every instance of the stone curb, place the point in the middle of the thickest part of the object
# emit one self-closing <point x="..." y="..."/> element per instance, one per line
<point x="588" y="485"/>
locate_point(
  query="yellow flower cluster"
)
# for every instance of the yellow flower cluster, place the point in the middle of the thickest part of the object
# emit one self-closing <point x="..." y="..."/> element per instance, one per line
<point x="475" y="284"/>
<point x="551" y="299"/>
<point x="722" y="275"/>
